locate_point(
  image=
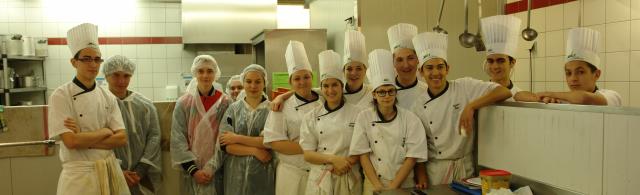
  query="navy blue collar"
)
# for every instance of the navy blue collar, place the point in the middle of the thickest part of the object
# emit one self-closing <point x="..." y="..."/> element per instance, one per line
<point x="85" y="89"/>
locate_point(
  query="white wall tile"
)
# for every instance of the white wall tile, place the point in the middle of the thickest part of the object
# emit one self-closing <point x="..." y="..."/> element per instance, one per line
<point x="538" y="20"/>
<point x="521" y="70"/>
<point x="34" y="29"/>
<point x="617" y="66"/>
<point x="539" y="69"/>
<point x="159" y="80"/>
<point x="145" y="65"/>
<point x="4" y="15"/>
<point x="157" y="30"/>
<point x="144" y="51"/>
<point x="635" y="32"/>
<point x="622" y="88"/>
<point x="159" y="66"/>
<point x="4" y="28"/>
<point x="50" y="29"/>
<point x="539" y="87"/>
<point x="145" y="80"/>
<point x="554" y="68"/>
<point x="174" y="65"/>
<point x="17" y="28"/>
<point x="158" y="93"/>
<point x="541" y="45"/>
<point x="147" y="92"/>
<point x="157" y="15"/>
<point x="51" y="67"/>
<point x="33" y="14"/>
<point x="634" y="94"/>
<point x="523" y="85"/>
<point x="173" y="15"/>
<point x="571" y="13"/>
<point x="596" y="10"/>
<point x="635" y="9"/>
<point x="173" y="29"/>
<point x="130" y="51"/>
<point x="555" y="43"/>
<point x="618" y="37"/>
<point x="53" y="81"/>
<point x="66" y="67"/>
<point x="16" y="14"/>
<point x="114" y="50"/>
<point x="554" y="86"/>
<point x="174" y="50"/>
<point x="634" y="66"/>
<point x="617" y="10"/>
<point x="128" y="29"/>
<point x="555" y="17"/>
<point x="143" y="29"/>
<point x="158" y="51"/>
<point x="143" y="15"/>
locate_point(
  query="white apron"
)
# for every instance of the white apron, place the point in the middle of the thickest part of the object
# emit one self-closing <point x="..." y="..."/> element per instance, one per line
<point x="101" y="177"/>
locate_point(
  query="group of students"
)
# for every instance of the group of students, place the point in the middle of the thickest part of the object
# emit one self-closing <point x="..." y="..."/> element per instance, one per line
<point x="349" y="136"/>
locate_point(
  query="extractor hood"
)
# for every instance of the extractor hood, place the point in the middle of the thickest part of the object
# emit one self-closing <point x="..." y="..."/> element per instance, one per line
<point x="226" y="21"/>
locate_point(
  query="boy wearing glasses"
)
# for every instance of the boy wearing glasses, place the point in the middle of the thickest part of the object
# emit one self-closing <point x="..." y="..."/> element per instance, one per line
<point x="446" y="110"/>
<point x="88" y="121"/>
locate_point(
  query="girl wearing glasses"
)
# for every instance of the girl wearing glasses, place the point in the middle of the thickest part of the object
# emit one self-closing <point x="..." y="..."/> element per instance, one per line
<point x="389" y="139"/>
<point x="325" y="135"/>
<point x="446" y="108"/>
<point x="282" y="129"/>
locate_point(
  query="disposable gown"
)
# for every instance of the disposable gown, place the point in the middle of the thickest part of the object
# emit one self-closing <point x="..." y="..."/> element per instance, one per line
<point x="246" y="175"/>
<point x="142" y="153"/>
<point x="194" y="133"/>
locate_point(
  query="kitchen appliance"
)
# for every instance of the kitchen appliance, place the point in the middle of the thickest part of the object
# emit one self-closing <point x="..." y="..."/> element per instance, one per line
<point x="28" y="46"/>
<point x="14" y="45"/>
<point x="42" y="49"/>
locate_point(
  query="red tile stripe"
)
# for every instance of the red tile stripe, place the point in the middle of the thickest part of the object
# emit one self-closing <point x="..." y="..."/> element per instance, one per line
<point x="124" y="40"/>
<point x="521" y="5"/>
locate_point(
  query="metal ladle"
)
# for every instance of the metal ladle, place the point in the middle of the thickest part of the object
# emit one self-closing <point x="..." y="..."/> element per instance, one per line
<point x="528" y="33"/>
<point x="479" y="44"/>
<point x="437" y="27"/>
<point x="467" y="39"/>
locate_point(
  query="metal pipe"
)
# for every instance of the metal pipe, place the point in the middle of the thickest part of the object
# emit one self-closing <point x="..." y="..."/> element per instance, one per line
<point x="48" y="142"/>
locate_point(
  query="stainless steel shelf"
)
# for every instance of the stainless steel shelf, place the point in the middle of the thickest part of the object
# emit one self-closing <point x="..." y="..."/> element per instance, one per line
<point x="34" y="58"/>
<point x="21" y="90"/>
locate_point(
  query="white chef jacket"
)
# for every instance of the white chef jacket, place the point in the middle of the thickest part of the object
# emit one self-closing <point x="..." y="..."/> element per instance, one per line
<point x="390" y="142"/>
<point x="613" y="97"/>
<point x="362" y="97"/>
<point x="407" y="95"/>
<point x="440" y="116"/>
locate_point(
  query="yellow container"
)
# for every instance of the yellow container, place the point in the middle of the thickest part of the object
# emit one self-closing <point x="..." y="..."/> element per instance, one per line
<point x="494" y="179"/>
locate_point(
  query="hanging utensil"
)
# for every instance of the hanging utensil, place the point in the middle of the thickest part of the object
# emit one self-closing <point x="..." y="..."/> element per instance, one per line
<point x="467" y="39"/>
<point x="437" y="28"/>
<point x="528" y="33"/>
<point x="479" y="44"/>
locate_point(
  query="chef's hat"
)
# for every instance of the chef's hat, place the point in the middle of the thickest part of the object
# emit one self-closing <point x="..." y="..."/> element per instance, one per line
<point x="430" y="45"/>
<point x="400" y="35"/>
<point x="82" y="36"/>
<point x="296" y="57"/>
<point x="354" y="47"/>
<point x="381" y="70"/>
<point x="330" y="66"/>
<point x="582" y="44"/>
<point x="501" y="34"/>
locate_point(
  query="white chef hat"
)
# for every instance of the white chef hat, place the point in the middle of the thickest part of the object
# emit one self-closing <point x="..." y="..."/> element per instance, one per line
<point x="330" y="66"/>
<point x="501" y="34"/>
<point x="82" y="36"/>
<point x="430" y="45"/>
<point x="354" y="47"/>
<point x="582" y="44"/>
<point x="296" y="57"/>
<point x="400" y="35"/>
<point x="205" y="61"/>
<point x="381" y="71"/>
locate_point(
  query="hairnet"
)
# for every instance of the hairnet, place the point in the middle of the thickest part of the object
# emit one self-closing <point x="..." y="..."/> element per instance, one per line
<point x="118" y="63"/>
<point x="255" y="68"/>
<point x="233" y="78"/>
<point x="206" y="61"/>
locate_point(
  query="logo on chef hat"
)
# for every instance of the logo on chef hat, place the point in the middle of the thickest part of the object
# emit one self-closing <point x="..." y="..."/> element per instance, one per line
<point x="426" y="55"/>
<point x="385" y="80"/>
<point x="573" y="55"/>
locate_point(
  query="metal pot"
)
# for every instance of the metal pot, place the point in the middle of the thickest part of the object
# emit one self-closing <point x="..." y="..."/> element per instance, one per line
<point x="14" y="45"/>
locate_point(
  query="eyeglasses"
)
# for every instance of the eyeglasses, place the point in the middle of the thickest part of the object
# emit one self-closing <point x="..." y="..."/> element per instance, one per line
<point x="384" y="93"/>
<point x="89" y="60"/>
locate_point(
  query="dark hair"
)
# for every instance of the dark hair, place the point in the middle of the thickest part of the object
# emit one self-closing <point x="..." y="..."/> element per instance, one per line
<point x="511" y="59"/>
<point x="445" y="63"/>
<point x="592" y="67"/>
<point x="413" y="50"/>
<point x="77" y="55"/>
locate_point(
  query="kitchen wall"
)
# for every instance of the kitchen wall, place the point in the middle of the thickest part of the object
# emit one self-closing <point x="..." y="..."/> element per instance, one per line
<point x="158" y="64"/>
<point x="618" y="21"/>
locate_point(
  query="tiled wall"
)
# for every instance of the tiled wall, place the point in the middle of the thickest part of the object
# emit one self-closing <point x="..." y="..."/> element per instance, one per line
<point x="158" y="64"/>
<point x="618" y="21"/>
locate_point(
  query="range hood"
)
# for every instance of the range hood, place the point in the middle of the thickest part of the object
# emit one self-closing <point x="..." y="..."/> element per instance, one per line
<point x="226" y="21"/>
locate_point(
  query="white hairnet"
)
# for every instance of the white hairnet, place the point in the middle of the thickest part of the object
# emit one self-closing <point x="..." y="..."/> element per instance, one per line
<point x="118" y="63"/>
<point x="227" y="88"/>
<point x="255" y="68"/>
<point x="202" y="61"/>
<point x="206" y="61"/>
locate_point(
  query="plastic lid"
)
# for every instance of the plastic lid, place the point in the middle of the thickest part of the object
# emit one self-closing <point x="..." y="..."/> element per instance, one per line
<point x="490" y="172"/>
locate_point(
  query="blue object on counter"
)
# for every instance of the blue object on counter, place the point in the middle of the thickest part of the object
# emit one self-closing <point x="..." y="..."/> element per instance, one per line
<point x="461" y="188"/>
